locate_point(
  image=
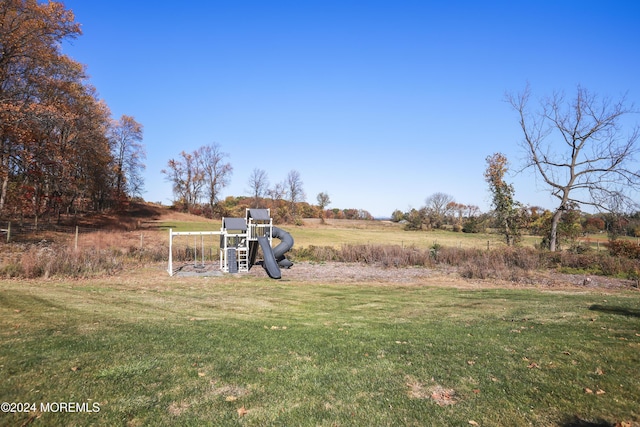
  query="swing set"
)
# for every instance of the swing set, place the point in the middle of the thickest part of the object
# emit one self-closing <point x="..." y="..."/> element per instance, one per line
<point x="239" y="240"/>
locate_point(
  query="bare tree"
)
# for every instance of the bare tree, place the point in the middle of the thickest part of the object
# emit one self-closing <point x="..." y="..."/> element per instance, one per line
<point x="580" y="150"/>
<point x="437" y="206"/>
<point x="295" y="192"/>
<point x="125" y="137"/>
<point x="215" y="171"/>
<point x="277" y="192"/>
<point x="187" y="179"/>
<point x="258" y="185"/>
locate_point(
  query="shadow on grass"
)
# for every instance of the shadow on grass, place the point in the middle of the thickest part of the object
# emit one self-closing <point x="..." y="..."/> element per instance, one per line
<point x="615" y="310"/>
<point x="579" y="422"/>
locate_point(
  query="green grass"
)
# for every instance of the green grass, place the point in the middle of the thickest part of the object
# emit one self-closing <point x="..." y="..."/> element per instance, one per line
<point x="340" y="232"/>
<point x="153" y="350"/>
<point x="384" y="233"/>
<point x="182" y="226"/>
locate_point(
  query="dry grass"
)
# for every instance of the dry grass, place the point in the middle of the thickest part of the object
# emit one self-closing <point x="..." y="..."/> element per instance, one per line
<point x="380" y="243"/>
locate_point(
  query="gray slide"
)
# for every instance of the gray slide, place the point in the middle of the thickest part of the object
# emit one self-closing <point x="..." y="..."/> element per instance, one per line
<point x="274" y="257"/>
<point x="286" y="243"/>
<point x="270" y="263"/>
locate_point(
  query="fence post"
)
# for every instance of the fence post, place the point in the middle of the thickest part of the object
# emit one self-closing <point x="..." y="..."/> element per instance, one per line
<point x="9" y="232"/>
<point x="76" y="243"/>
<point x="170" y="267"/>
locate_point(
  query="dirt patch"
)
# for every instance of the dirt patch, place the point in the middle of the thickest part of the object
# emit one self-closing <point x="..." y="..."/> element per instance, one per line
<point x="338" y="272"/>
<point x="440" y="395"/>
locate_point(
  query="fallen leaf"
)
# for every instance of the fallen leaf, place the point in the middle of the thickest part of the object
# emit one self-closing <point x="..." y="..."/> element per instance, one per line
<point x="471" y="362"/>
<point x="201" y="374"/>
<point x="588" y="390"/>
<point x="599" y="371"/>
<point x="566" y="352"/>
<point x="230" y="399"/>
<point x="242" y="411"/>
<point x="476" y="391"/>
<point x="600" y="391"/>
<point x="533" y="365"/>
<point x="75" y="368"/>
<point x="473" y="423"/>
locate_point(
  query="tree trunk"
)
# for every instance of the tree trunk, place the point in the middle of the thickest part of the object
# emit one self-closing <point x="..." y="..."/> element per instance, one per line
<point x="4" y="165"/>
<point x="507" y="233"/>
<point x="553" y="235"/>
<point x="3" y="192"/>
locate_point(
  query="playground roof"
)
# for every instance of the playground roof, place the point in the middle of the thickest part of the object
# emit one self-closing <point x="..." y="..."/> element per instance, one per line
<point x="259" y="214"/>
<point x="235" y="224"/>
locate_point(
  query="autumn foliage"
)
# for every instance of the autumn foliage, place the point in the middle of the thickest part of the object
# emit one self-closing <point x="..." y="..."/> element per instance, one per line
<point x="56" y="145"/>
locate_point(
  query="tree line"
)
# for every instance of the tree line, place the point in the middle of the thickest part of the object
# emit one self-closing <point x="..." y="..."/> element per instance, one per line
<point x="530" y="220"/>
<point x="60" y="149"/>
<point x="199" y="177"/>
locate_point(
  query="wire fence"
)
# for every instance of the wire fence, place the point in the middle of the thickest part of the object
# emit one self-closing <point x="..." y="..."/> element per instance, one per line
<point x="11" y="232"/>
<point x="81" y="237"/>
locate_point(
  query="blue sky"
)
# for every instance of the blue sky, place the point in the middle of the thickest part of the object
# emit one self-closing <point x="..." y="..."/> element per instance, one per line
<point x="378" y="103"/>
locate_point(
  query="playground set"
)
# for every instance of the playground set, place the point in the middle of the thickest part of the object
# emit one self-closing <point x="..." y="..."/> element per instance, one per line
<point x="240" y="239"/>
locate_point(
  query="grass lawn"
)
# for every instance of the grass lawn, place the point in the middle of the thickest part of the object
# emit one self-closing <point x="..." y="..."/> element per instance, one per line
<point x="342" y="232"/>
<point x="246" y="350"/>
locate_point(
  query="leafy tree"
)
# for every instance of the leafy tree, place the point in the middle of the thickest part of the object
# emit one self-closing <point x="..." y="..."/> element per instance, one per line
<point x="415" y="218"/>
<point x="32" y="70"/>
<point x="580" y="150"/>
<point x="471" y="225"/>
<point x="568" y="230"/>
<point x="507" y="210"/>
<point x="397" y="215"/>
<point x="593" y="224"/>
<point x="54" y="131"/>
<point x="323" y="201"/>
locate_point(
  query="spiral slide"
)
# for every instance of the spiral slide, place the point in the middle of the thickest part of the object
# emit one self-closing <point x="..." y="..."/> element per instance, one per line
<point x="274" y="257"/>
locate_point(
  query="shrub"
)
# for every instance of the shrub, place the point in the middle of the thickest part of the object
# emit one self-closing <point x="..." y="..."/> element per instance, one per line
<point x="48" y="260"/>
<point x="471" y="225"/>
<point x="624" y="248"/>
